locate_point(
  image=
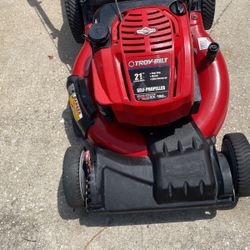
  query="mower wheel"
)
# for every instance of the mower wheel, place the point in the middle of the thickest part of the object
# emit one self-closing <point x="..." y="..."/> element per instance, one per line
<point x="208" y="11"/>
<point x="74" y="177"/>
<point x="237" y="150"/>
<point x="75" y="18"/>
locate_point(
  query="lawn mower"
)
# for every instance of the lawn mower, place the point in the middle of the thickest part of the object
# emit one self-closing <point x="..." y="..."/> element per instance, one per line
<point x="149" y="93"/>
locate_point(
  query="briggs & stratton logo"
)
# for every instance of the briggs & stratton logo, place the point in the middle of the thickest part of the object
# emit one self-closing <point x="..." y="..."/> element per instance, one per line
<point x="146" y="31"/>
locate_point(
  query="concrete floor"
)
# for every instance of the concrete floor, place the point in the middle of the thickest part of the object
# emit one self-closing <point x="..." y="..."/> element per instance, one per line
<point x="36" y="55"/>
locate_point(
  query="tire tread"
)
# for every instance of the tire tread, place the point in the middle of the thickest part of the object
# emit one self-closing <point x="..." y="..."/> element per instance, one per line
<point x="208" y="12"/>
<point x="75" y="19"/>
<point x="71" y="183"/>
<point x="238" y="145"/>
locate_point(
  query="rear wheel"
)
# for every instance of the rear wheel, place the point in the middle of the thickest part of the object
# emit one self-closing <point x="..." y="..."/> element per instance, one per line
<point x="237" y="150"/>
<point x="75" y="18"/>
<point x="74" y="178"/>
<point x="208" y="12"/>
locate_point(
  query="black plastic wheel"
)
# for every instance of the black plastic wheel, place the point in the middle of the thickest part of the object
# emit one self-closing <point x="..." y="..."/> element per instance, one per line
<point x="74" y="177"/>
<point x="75" y="19"/>
<point x="237" y="150"/>
<point x="208" y="12"/>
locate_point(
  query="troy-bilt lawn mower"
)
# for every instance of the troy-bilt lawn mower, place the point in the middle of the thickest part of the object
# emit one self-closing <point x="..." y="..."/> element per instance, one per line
<point x="149" y="92"/>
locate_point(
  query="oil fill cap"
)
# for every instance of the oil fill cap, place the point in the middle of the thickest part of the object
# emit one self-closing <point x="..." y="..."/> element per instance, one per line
<point x="98" y="34"/>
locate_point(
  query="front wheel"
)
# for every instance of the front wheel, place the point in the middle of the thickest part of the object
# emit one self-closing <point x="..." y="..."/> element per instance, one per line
<point x="236" y="148"/>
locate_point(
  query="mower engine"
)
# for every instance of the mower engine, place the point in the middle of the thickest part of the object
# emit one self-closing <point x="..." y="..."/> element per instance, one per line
<point x="150" y="57"/>
<point x="149" y="93"/>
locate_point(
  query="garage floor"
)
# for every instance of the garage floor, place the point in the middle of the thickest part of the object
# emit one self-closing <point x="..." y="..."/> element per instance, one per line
<point x="36" y="56"/>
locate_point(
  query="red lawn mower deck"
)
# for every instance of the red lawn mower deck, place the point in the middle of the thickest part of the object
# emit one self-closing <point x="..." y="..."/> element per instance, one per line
<point x="149" y="93"/>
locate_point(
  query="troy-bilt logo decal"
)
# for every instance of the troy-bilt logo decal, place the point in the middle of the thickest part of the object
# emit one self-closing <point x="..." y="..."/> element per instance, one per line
<point x="146" y="31"/>
<point x="147" y="62"/>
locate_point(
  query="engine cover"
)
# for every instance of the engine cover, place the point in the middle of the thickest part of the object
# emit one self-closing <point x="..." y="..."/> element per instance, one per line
<point x="146" y="74"/>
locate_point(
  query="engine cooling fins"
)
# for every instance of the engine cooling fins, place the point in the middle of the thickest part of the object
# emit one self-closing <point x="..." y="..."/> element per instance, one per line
<point x="157" y="22"/>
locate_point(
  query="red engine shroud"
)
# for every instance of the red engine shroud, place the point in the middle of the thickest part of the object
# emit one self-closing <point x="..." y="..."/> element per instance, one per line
<point x="127" y="139"/>
<point x="169" y="46"/>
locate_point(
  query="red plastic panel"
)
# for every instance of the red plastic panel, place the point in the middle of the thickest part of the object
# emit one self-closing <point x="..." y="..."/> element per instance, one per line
<point x="214" y="85"/>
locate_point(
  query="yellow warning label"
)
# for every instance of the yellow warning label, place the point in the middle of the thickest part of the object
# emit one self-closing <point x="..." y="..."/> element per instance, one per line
<point x="74" y="104"/>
